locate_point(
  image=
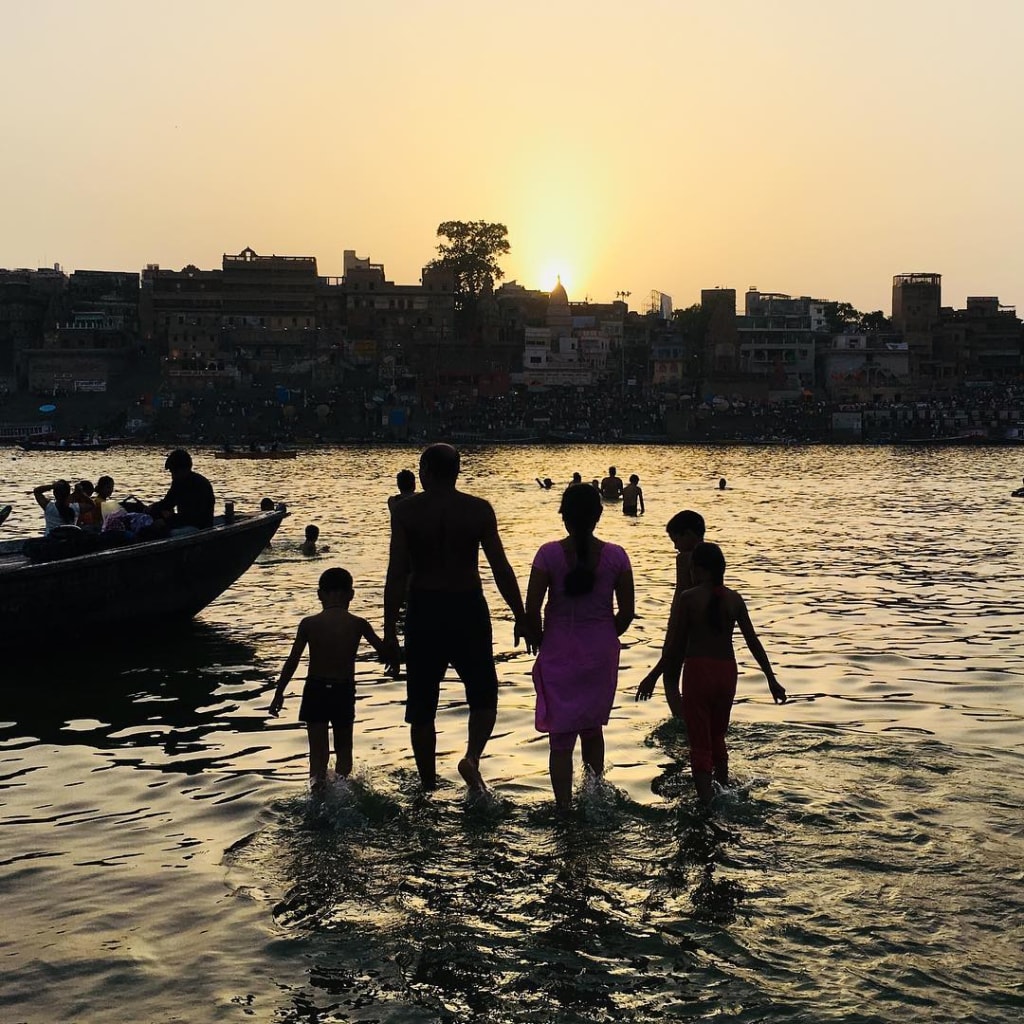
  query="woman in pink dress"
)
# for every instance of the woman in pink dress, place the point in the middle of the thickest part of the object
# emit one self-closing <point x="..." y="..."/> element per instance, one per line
<point x="578" y="663"/>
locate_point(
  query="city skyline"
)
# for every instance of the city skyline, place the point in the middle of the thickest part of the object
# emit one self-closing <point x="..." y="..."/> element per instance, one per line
<point x="798" y="150"/>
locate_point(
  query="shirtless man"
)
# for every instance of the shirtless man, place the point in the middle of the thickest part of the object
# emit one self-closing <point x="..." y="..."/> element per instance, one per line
<point x="611" y="486"/>
<point x="436" y="538"/>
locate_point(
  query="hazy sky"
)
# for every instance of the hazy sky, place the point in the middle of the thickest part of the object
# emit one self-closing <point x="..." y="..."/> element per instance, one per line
<point x="810" y="146"/>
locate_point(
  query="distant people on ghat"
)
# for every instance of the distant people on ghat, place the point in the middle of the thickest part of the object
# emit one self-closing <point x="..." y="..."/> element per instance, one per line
<point x="329" y="693"/>
<point x="632" y="497"/>
<point x="577" y="666"/>
<point x="188" y="505"/>
<point x="436" y="538"/>
<point x="611" y="486"/>
<point x="405" y="480"/>
<point x="699" y="647"/>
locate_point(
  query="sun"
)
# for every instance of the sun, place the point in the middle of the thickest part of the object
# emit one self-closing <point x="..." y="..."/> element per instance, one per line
<point x="552" y="272"/>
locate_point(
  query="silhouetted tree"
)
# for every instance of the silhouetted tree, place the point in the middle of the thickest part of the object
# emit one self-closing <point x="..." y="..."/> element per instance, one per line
<point x="471" y="252"/>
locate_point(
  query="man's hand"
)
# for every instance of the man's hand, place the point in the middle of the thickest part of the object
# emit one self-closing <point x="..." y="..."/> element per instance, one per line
<point x="777" y="692"/>
<point x="647" y="684"/>
<point x="391" y="654"/>
<point x="275" y="705"/>
<point x="522" y="631"/>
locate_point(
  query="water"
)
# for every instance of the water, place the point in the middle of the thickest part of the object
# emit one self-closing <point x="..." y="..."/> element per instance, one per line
<point x="162" y="860"/>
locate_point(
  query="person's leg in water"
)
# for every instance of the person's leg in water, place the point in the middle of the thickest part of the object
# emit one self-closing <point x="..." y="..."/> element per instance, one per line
<point x="481" y="725"/>
<point x="319" y="750"/>
<point x="562" y="745"/>
<point x="343" y="749"/>
<point x="592" y="748"/>
<point x="423" y="736"/>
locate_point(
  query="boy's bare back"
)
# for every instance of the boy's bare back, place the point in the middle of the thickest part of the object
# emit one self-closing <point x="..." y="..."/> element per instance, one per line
<point x="333" y="637"/>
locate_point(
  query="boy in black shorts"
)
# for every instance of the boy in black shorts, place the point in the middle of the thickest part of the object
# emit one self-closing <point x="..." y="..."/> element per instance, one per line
<point x="329" y="695"/>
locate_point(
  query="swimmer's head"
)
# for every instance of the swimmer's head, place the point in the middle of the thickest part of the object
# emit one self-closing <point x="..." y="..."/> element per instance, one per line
<point x="313" y="534"/>
<point x="406" y="480"/>
<point x="633" y="478"/>
<point x="440" y="464"/>
<point x="721" y="484"/>
<point x="266" y="504"/>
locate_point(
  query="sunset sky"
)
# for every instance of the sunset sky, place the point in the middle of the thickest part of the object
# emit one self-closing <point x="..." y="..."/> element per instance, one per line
<point x="814" y="148"/>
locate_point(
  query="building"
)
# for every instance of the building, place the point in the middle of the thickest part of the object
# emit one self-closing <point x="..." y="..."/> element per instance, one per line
<point x="864" y="368"/>
<point x="982" y="341"/>
<point x="778" y="337"/>
<point x="721" y="340"/>
<point x="916" y="302"/>
<point x="31" y="303"/>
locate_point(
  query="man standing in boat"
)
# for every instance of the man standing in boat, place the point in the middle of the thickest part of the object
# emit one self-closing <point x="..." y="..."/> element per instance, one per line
<point x="436" y="539"/>
<point x="188" y="505"/>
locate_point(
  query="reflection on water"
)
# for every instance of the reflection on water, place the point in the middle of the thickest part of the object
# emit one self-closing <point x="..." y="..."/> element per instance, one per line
<point x="160" y="858"/>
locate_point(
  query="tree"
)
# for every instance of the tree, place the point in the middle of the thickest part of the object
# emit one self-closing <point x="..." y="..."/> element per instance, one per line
<point x="471" y="253"/>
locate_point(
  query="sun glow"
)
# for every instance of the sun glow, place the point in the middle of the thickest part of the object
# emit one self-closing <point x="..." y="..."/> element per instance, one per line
<point x="552" y="272"/>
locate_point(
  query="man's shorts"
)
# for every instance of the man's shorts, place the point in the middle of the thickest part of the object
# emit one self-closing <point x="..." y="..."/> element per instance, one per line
<point x="328" y="700"/>
<point x="443" y="629"/>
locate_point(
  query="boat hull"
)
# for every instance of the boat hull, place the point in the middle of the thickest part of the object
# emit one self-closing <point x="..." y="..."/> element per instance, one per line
<point x="136" y="588"/>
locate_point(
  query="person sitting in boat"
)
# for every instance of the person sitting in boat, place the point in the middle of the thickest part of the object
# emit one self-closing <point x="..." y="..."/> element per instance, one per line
<point x="188" y="505"/>
<point x="59" y="510"/>
<point x="89" y="515"/>
<point x="104" y="496"/>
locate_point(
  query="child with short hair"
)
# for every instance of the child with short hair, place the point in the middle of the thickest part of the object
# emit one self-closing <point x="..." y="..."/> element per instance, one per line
<point x="686" y="530"/>
<point x="312" y="536"/>
<point x="329" y="694"/>
<point x="699" y="646"/>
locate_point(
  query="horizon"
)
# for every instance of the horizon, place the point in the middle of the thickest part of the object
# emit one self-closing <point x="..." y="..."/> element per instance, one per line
<point x="752" y="151"/>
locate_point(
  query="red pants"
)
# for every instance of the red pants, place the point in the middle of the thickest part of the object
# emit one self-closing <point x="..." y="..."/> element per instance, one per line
<point x="709" y="686"/>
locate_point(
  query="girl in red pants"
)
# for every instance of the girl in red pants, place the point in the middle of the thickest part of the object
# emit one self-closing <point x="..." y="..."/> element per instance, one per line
<point x="699" y="644"/>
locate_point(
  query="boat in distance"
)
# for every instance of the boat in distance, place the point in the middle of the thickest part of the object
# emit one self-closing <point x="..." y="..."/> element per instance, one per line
<point x="133" y="589"/>
<point x="248" y="453"/>
<point x="69" y="446"/>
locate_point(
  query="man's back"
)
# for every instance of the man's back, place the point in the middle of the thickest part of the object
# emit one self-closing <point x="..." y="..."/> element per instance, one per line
<point x="443" y="529"/>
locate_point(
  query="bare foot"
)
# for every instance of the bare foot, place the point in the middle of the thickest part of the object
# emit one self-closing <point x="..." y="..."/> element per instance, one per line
<point x="470" y="772"/>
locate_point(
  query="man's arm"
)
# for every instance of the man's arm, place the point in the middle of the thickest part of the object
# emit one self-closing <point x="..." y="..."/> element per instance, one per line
<point x="40" y="495"/>
<point x="535" y="591"/>
<point x="366" y="631"/>
<point x="395" y="586"/>
<point x="504" y="576"/>
<point x="673" y="654"/>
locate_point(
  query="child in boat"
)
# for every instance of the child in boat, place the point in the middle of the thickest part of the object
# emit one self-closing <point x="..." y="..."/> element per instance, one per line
<point x="329" y="694"/>
<point x="578" y="662"/>
<point x="699" y="644"/>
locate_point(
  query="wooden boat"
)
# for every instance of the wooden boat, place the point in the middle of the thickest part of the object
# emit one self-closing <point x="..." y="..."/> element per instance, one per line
<point x="245" y="453"/>
<point x="135" y="588"/>
<point x="69" y="446"/>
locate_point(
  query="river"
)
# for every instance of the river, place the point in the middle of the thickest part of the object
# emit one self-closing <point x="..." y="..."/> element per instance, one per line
<point x="162" y="860"/>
